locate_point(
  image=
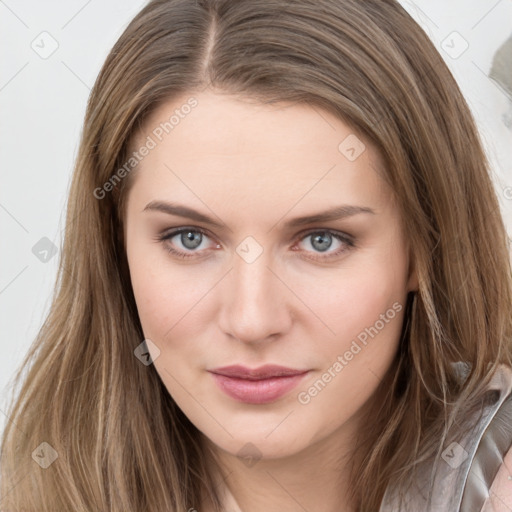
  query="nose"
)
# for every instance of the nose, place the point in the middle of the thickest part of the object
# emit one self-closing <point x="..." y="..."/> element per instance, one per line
<point x="255" y="302"/>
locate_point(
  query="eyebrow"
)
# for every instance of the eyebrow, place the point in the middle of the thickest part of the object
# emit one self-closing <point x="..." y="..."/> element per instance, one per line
<point x="335" y="213"/>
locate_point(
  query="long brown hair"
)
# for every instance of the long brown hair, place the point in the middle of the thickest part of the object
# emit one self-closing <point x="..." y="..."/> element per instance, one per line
<point x="122" y="443"/>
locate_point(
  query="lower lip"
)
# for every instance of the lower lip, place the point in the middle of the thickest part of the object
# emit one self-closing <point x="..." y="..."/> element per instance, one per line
<point x="257" y="391"/>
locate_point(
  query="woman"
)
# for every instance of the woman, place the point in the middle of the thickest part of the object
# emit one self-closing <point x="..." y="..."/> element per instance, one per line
<point x="284" y="283"/>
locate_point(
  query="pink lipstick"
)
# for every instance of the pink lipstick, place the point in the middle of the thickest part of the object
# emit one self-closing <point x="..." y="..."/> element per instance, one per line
<point x="259" y="385"/>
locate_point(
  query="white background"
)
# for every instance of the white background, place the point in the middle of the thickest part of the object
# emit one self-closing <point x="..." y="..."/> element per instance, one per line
<point x="42" y="104"/>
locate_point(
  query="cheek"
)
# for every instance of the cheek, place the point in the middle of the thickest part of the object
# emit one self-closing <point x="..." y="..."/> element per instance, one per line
<point x="154" y="305"/>
<point x="354" y="297"/>
<point x="170" y="299"/>
<point x="367" y="317"/>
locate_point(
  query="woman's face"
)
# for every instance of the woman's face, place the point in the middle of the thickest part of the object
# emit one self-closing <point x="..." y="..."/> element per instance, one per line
<point x="291" y="254"/>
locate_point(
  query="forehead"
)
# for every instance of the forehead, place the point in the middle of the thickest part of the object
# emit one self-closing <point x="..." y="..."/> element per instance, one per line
<point x="228" y="147"/>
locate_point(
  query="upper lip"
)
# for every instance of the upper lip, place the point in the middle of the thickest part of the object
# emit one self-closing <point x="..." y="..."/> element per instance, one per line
<point x="263" y="372"/>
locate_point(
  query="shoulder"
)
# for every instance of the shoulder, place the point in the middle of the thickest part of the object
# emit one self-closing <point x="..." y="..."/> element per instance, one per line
<point x="491" y="445"/>
<point x="500" y="493"/>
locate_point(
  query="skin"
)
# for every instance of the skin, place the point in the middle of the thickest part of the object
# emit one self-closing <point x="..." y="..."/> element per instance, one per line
<point x="253" y="167"/>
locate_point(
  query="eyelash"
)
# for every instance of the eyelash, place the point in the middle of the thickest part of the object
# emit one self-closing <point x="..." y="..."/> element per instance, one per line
<point x="342" y="237"/>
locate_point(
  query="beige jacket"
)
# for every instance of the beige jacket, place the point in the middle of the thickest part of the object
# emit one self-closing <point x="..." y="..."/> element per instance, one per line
<point x="475" y="474"/>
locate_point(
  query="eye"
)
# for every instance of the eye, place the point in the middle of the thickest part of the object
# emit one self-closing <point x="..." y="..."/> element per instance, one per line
<point x="189" y="242"/>
<point x="190" y="239"/>
<point x="323" y="240"/>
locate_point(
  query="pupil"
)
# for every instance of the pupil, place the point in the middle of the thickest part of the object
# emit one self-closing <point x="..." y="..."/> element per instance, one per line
<point x="191" y="239"/>
<point x="324" y="240"/>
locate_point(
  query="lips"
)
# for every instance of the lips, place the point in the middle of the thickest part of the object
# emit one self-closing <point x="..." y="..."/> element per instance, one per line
<point x="263" y="372"/>
<point x="259" y="385"/>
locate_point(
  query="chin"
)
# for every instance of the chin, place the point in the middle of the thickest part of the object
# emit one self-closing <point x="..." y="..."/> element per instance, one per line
<point x="259" y="445"/>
